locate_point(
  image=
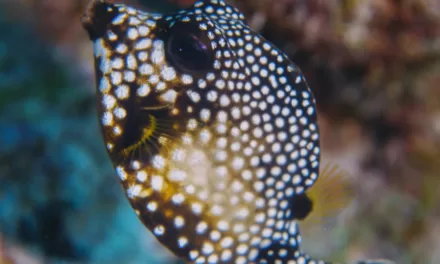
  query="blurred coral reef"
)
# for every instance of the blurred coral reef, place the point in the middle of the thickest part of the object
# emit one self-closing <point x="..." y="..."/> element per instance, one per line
<point x="374" y="66"/>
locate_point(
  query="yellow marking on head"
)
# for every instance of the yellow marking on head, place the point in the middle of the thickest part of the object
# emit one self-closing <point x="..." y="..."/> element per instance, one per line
<point x="147" y="133"/>
<point x="158" y="107"/>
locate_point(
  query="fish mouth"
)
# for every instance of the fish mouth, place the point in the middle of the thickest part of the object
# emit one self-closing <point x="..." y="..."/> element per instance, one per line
<point x="99" y="14"/>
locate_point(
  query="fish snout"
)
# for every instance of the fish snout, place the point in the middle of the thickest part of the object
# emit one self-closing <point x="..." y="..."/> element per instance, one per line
<point x="99" y="14"/>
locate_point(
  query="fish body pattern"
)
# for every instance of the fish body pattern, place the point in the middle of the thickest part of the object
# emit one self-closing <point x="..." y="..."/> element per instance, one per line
<point x="212" y="130"/>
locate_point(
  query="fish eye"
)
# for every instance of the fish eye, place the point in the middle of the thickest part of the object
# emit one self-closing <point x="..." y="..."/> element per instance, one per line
<point x="188" y="49"/>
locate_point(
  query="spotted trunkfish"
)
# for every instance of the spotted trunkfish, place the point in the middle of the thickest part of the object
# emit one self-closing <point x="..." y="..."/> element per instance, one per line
<point x="212" y="131"/>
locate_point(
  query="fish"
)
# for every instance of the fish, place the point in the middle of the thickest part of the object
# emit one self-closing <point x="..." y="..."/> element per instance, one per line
<point x="212" y="130"/>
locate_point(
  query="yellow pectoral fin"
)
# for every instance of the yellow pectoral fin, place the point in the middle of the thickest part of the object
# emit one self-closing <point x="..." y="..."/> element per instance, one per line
<point x="331" y="193"/>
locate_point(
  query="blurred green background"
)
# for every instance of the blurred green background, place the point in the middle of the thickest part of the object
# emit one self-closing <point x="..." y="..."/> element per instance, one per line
<point x="374" y="66"/>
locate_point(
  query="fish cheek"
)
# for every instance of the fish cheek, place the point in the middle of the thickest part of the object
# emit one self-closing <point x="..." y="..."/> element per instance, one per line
<point x="144" y="131"/>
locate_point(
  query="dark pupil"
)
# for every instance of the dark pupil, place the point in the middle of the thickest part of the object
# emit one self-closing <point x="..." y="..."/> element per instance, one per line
<point x="188" y="52"/>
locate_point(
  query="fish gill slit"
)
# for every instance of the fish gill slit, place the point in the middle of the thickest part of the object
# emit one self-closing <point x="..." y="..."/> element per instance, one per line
<point x="147" y="133"/>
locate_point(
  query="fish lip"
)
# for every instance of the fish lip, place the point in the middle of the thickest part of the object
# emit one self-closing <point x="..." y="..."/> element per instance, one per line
<point x="98" y="15"/>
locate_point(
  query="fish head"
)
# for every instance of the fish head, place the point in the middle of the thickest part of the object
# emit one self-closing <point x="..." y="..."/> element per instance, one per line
<point x="153" y="66"/>
<point x="189" y="64"/>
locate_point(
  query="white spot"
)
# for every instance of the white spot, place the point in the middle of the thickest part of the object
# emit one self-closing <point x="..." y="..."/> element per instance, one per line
<point x="212" y="96"/>
<point x="177" y="175"/>
<point x="168" y="73"/>
<point x="182" y="241"/>
<point x="146" y="69"/>
<point x="121" y="48"/>
<point x="169" y="96"/>
<point x="134" y="191"/>
<point x="194" y="96"/>
<point x="196" y="208"/>
<point x="143" y="44"/>
<point x="107" y="119"/>
<point x="205" y="114"/>
<point x="226" y="255"/>
<point x="157" y="56"/>
<point x="224" y="100"/>
<point x="104" y="85"/>
<point x="141" y="176"/>
<point x="238" y="163"/>
<point x="223" y="225"/>
<point x="143" y="30"/>
<point x="152" y="206"/>
<point x="132" y="33"/>
<point x="201" y="227"/>
<point x="207" y="248"/>
<point x="143" y="90"/>
<point x="142" y="56"/>
<point x="187" y="79"/>
<point x="121" y="173"/>
<point x="159" y="230"/>
<point x="157" y="182"/>
<point x="226" y="242"/>
<point x="116" y="77"/>
<point x="158" y="162"/>
<point x="178" y="198"/>
<point x="179" y="222"/>
<point x="108" y="101"/>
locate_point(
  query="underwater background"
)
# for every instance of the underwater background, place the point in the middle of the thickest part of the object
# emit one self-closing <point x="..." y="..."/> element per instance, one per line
<point x="374" y="66"/>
